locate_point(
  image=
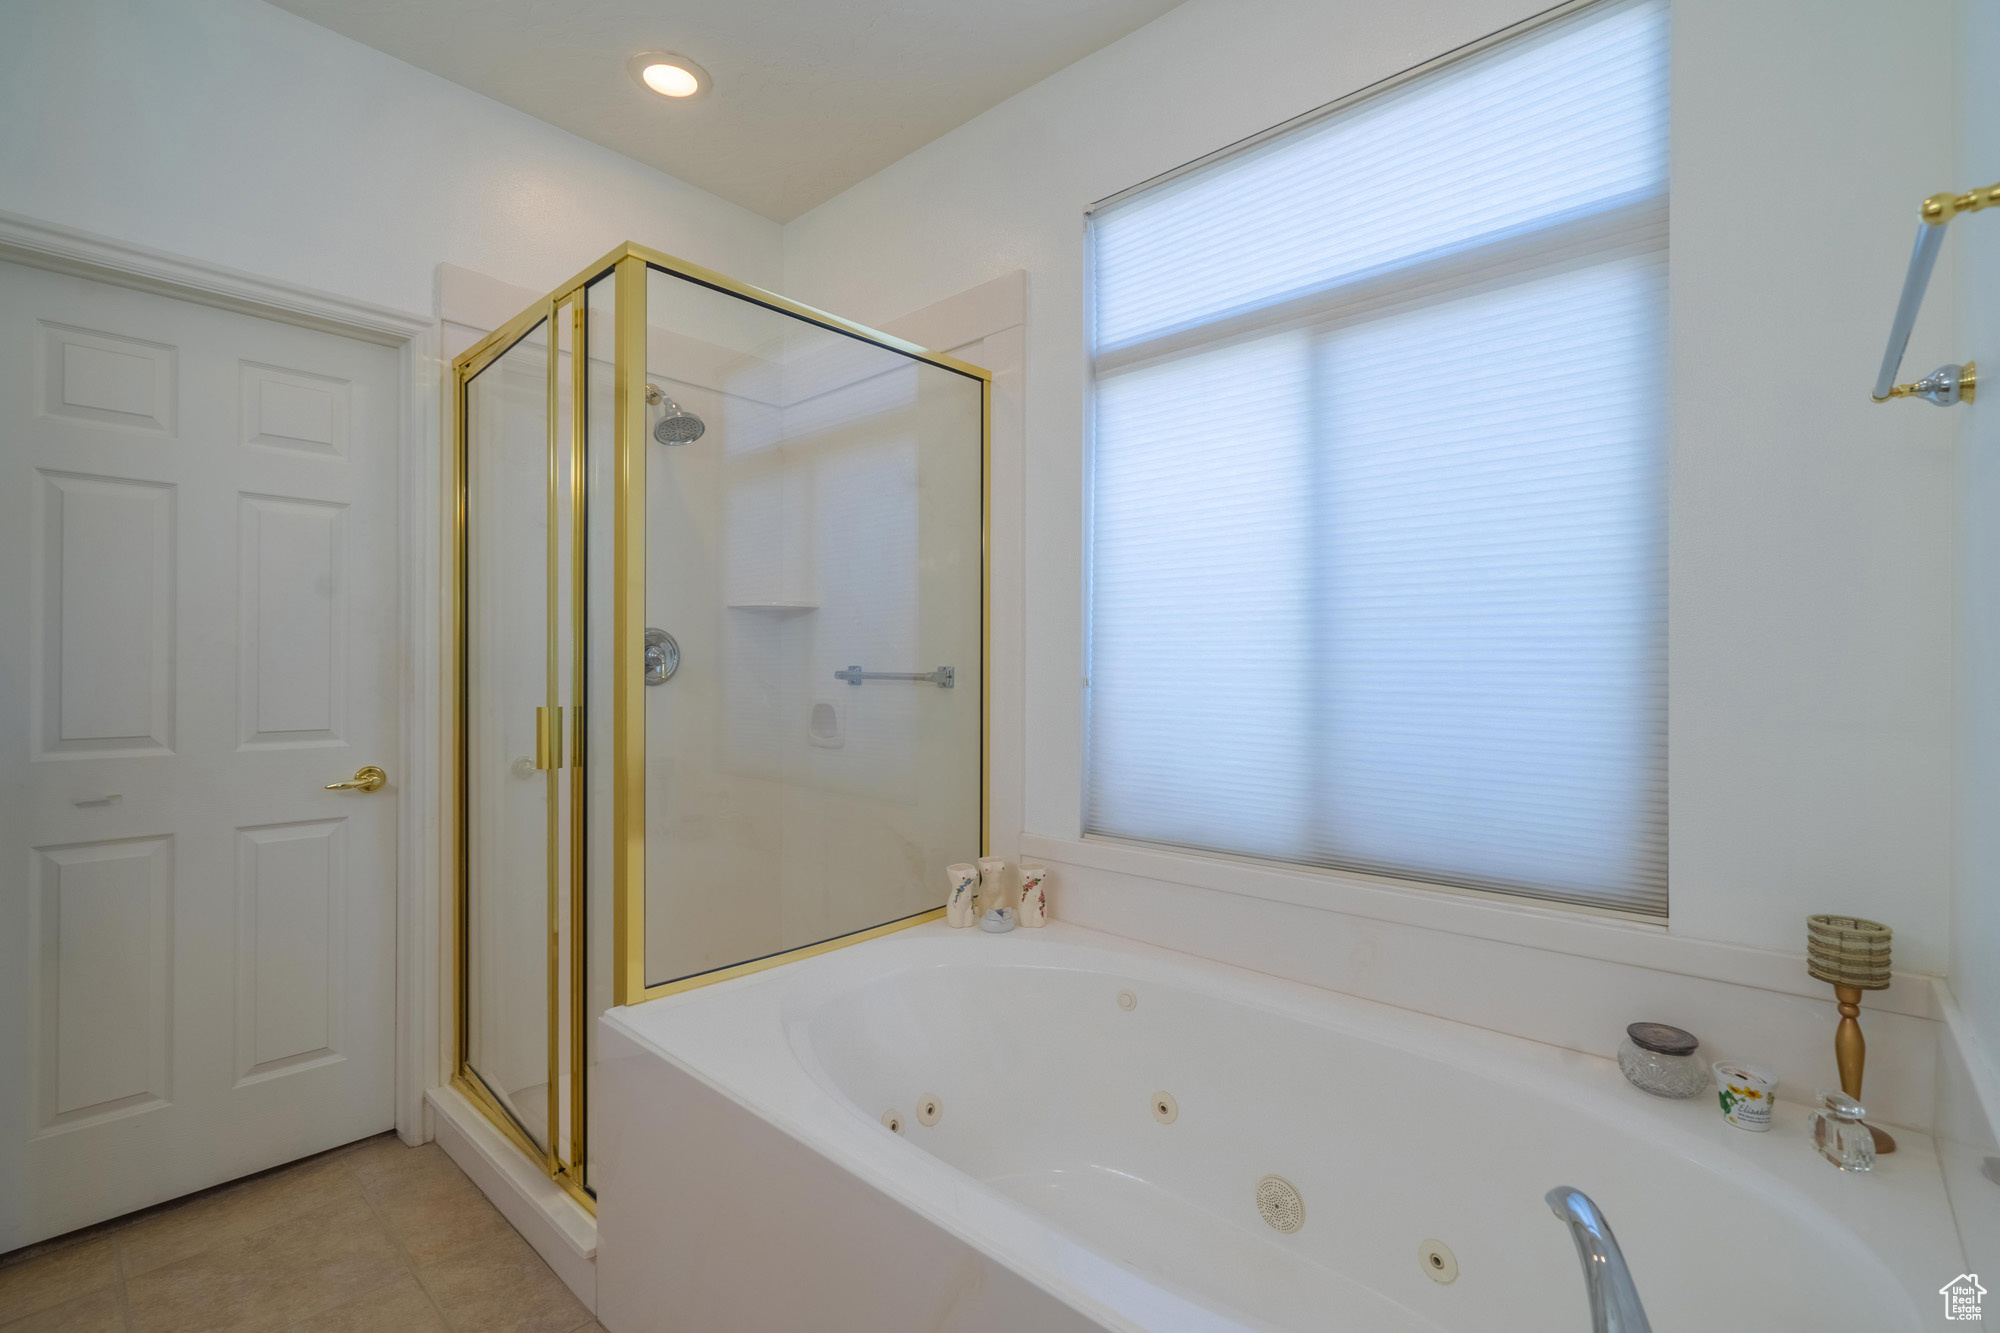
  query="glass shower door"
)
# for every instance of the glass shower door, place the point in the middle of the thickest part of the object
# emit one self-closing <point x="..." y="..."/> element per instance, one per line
<point x="813" y="511"/>
<point x="510" y="787"/>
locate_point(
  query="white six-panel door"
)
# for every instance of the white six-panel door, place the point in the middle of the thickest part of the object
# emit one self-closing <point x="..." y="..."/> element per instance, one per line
<point x="198" y="609"/>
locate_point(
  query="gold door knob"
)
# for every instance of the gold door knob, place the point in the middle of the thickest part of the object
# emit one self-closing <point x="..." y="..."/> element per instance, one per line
<point x="365" y="779"/>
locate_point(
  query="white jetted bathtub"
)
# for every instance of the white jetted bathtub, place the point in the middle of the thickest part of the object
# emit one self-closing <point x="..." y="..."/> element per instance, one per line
<point x="1083" y="1125"/>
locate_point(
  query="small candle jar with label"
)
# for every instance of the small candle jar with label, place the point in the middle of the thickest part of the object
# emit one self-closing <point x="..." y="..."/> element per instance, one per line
<point x="1746" y="1093"/>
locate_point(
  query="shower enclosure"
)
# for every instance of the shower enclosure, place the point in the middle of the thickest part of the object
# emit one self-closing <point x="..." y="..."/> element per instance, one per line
<point x="720" y="659"/>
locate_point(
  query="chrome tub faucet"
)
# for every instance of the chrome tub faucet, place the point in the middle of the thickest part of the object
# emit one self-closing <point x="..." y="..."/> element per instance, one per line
<point x="1614" y="1301"/>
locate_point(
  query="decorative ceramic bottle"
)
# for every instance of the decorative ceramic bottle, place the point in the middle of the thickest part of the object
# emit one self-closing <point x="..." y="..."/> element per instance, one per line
<point x="1034" y="896"/>
<point x="963" y="881"/>
<point x="992" y="883"/>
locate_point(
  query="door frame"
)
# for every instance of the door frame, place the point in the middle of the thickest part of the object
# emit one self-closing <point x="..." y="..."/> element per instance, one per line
<point x="421" y="584"/>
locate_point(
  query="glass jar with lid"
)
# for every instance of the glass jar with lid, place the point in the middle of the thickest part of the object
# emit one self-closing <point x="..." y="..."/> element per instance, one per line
<point x="1660" y="1059"/>
<point x="1839" y="1133"/>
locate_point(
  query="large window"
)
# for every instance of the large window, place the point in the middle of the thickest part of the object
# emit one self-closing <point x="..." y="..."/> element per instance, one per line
<point x="1377" y="550"/>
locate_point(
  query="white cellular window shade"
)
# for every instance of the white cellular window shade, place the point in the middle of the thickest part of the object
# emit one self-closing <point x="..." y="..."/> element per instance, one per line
<point x="1377" y="540"/>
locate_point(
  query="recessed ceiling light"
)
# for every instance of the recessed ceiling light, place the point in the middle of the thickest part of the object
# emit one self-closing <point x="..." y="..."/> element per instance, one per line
<point x="670" y="80"/>
<point x="669" y="75"/>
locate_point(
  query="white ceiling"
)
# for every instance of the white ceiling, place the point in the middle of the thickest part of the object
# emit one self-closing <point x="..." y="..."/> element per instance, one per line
<point x="809" y="96"/>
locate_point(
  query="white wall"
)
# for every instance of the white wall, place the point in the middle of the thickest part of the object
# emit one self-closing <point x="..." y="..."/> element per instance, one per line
<point x="1812" y="532"/>
<point x="231" y="131"/>
<point x="1814" y="535"/>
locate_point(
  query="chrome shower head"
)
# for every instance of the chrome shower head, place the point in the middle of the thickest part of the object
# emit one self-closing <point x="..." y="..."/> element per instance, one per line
<point x="676" y="425"/>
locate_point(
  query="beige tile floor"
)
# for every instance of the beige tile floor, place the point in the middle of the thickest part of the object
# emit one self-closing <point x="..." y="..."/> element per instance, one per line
<point x="374" y="1236"/>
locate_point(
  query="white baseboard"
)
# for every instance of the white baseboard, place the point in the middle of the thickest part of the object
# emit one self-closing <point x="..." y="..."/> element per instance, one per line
<point x="561" y="1231"/>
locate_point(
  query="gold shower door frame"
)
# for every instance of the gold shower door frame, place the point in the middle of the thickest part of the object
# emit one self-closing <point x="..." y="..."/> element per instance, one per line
<point x="627" y="266"/>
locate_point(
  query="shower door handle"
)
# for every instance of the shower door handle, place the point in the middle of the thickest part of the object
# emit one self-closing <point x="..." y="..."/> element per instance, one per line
<point x="548" y="737"/>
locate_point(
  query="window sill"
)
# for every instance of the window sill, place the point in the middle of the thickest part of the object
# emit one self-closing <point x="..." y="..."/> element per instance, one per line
<point x="1558" y="928"/>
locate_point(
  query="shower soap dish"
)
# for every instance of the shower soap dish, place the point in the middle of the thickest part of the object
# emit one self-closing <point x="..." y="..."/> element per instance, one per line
<point x="1660" y="1059"/>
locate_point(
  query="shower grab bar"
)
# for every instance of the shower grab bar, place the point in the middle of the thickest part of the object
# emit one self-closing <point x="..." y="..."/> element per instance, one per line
<point x="943" y="677"/>
<point x="1947" y="384"/>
